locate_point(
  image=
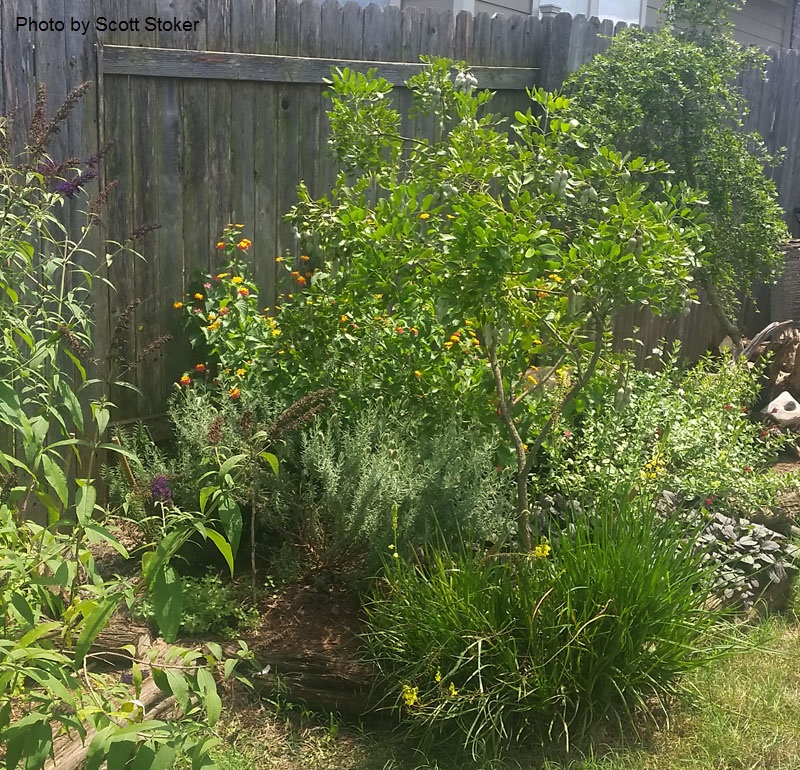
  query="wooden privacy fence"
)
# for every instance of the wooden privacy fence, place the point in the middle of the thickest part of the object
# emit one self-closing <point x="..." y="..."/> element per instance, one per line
<point x="220" y="122"/>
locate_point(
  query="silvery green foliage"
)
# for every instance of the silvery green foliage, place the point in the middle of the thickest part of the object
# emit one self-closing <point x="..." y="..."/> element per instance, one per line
<point x="749" y="557"/>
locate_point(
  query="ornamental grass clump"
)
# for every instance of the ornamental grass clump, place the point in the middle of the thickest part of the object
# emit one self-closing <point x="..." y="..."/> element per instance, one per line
<point x="508" y="648"/>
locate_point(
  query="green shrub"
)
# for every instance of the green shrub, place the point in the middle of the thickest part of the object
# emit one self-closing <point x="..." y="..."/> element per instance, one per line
<point x="210" y="605"/>
<point x="686" y="429"/>
<point x="517" y="646"/>
<point x="687" y="434"/>
<point x="688" y="112"/>
<point x="339" y="491"/>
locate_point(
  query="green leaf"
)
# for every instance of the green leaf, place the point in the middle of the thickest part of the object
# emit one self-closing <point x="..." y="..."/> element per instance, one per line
<point x="70" y="400"/>
<point x="97" y="534"/>
<point x="84" y="506"/>
<point x="271" y="459"/>
<point x="56" y="478"/>
<point x="205" y="493"/>
<point x="153" y="562"/>
<point x="50" y="683"/>
<point x="179" y="687"/>
<point x="147" y="759"/>
<point x="230" y="464"/>
<point x="223" y="546"/>
<point x="101" y="417"/>
<point x="230" y="515"/>
<point x="211" y="699"/>
<point x="35" y="634"/>
<point x="29" y="740"/>
<point x="167" y="592"/>
<point x="120" y="752"/>
<point x="22" y="607"/>
<point x="96" y="621"/>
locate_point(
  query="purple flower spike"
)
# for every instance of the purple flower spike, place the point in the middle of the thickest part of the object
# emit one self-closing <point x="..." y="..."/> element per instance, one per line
<point x="160" y="489"/>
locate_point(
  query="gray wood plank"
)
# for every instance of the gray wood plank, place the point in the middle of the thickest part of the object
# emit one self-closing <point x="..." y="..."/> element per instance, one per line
<point x="289" y="115"/>
<point x="154" y="62"/>
<point x="265" y="237"/>
<point x="221" y="115"/>
<point x="19" y="85"/>
<point x="555" y="56"/>
<point x="309" y="100"/>
<point x="462" y="36"/>
<point x="352" y="31"/>
<point x="146" y="146"/>
<point x="244" y="38"/>
<point x="117" y="128"/>
<point x="481" y="41"/>
<point x="330" y="47"/>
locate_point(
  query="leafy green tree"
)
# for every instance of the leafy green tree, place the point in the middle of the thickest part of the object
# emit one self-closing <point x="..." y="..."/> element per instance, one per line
<point x="688" y="110"/>
<point x="529" y="237"/>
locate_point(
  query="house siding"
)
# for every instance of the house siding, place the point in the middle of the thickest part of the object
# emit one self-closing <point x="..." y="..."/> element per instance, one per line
<point x="439" y="5"/>
<point x="503" y="6"/>
<point x="763" y="23"/>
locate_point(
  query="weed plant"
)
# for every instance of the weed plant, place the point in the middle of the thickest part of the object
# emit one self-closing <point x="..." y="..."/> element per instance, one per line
<point x="210" y="606"/>
<point x="510" y="647"/>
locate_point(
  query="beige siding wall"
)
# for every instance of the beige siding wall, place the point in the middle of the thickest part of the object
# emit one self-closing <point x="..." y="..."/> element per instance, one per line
<point x="439" y="5"/>
<point x="761" y="22"/>
<point x="503" y="6"/>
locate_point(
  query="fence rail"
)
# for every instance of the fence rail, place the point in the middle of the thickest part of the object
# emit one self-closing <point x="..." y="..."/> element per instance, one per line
<point x="220" y="123"/>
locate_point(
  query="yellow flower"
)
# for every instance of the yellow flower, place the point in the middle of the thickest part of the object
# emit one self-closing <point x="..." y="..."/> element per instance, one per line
<point x="220" y="244"/>
<point x="198" y="296"/>
<point x="276" y="332"/>
<point x="244" y="244"/>
<point x="304" y="258"/>
<point x="556" y="278"/>
<point x="237" y="279"/>
<point x="241" y="372"/>
<point x="220" y="276"/>
<point x="532" y="379"/>
<point x="343" y="319"/>
<point x="378" y="296"/>
<point x="542" y="551"/>
<point x="238" y="225"/>
<point x="425" y="215"/>
<point x="438" y="677"/>
<point x="448" y="345"/>
<point x="467" y="322"/>
<point x="177" y="305"/>
<point x="452" y="690"/>
<point x="279" y="259"/>
<point x="281" y="352"/>
<point x="418" y="374"/>
<point x="213" y="326"/>
<point x="410" y="695"/>
<point x="212" y="316"/>
<point x="449" y="216"/>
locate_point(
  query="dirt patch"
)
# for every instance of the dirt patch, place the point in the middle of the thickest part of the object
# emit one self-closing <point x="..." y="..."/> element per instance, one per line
<point x="306" y="620"/>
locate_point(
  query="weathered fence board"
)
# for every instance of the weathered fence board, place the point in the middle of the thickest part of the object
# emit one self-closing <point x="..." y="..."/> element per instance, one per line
<point x="219" y="124"/>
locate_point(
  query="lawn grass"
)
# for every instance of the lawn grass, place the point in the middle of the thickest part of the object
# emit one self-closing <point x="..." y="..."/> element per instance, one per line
<point x="741" y="714"/>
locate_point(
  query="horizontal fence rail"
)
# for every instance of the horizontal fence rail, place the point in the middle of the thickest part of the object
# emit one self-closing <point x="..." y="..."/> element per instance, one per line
<point x="208" y="65"/>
